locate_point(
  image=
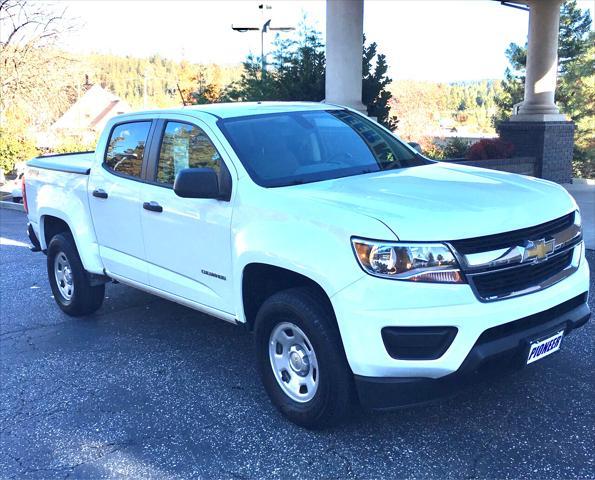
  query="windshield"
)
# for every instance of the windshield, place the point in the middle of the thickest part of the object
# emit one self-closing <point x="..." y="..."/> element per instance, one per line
<point x="291" y="148"/>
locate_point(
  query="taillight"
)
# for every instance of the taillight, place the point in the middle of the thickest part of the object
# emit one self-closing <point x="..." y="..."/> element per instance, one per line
<point x="24" y="190"/>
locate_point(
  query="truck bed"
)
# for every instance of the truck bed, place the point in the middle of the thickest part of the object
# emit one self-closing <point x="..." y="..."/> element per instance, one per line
<point x="79" y="162"/>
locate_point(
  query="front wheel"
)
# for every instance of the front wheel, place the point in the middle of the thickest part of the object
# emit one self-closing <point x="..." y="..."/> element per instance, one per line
<point x="301" y="360"/>
<point x="68" y="279"/>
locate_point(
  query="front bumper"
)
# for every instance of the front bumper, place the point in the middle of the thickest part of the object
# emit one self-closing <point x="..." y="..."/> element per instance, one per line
<point x="498" y="350"/>
<point x="364" y="308"/>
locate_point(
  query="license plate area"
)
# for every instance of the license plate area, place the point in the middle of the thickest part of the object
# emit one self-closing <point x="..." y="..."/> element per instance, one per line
<point x="539" y="349"/>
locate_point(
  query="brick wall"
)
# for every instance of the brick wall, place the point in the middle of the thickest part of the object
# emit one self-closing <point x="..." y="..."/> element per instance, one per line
<point x="550" y="143"/>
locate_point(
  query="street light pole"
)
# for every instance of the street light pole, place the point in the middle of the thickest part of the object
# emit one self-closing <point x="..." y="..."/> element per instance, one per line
<point x="264" y="29"/>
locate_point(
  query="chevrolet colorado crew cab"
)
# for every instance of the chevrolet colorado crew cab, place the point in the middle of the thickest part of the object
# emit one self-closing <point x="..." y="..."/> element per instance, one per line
<point x="367" y="272"/>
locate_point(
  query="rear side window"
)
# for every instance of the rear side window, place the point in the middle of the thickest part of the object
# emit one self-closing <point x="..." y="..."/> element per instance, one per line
<point x="185" y="146"/>
<point x="126" y="148"/>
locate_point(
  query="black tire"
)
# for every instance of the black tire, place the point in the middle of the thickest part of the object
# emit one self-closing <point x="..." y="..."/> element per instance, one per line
<point x="86" y="298"/>
<point x="335" y="393"/>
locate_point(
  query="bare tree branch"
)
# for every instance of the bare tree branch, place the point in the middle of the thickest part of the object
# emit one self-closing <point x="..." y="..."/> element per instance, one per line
<point x="34" y="78"/>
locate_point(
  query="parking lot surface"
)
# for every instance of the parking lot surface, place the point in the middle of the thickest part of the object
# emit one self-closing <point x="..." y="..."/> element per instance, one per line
<point x="146" y="388"/>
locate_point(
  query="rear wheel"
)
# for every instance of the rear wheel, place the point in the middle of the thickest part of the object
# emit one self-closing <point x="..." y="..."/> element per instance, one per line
<point x="69" y="281"/>
<point x="301" y="359"/>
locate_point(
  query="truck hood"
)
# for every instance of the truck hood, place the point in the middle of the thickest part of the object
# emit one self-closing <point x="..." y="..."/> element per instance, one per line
<point x="441" y="202"/>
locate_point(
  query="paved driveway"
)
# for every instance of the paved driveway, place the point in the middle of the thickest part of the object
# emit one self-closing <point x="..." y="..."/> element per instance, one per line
<point x="148" y="389"/>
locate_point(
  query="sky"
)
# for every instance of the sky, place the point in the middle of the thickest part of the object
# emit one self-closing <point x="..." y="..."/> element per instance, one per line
<point x="436" y="40"/>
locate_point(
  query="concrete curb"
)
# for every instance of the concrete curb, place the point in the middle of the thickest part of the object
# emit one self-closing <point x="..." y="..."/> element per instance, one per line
<point x="583" y="181"/>
<point x="19" y="207"/>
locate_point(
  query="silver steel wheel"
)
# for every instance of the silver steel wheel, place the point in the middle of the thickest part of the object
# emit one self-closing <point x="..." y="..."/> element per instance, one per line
<point x="294" y="362"/>
<point x="63" y="274"/>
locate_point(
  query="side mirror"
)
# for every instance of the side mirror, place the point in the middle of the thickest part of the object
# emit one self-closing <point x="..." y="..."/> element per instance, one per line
<point x="197" y="183"/>
<point x="415" y="146"/>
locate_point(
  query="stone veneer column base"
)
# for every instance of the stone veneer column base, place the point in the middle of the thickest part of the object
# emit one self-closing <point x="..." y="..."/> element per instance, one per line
<point x="551" y="143"/>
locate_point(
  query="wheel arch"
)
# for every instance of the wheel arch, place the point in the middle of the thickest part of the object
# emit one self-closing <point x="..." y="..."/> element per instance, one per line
<point x="52" y="223"/>
<point x="261" y="280"/>
<point x="50" y="226"/>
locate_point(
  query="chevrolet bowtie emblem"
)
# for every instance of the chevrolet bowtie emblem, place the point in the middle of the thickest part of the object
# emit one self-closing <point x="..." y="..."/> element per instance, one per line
<point x="538" y="249"/>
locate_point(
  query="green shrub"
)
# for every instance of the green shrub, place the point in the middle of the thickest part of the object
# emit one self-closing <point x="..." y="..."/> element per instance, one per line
<point x="433" y="151"/>
<point x="583" y="162"/>
<point x="456" y="148"/>
<point x="14" y="148"/>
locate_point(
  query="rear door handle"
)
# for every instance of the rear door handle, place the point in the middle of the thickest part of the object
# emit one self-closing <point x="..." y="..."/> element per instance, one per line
<point x="153" y="207"/>
<point x="100" y="193"/>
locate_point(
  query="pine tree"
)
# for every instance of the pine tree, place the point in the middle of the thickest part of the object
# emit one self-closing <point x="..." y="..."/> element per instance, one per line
<point x="375" y="95"/>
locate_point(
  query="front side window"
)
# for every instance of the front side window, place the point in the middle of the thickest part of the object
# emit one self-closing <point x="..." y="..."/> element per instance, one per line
<point x="126" y="148"/>
<point x="185" y="146"/>
<point x="290" y="148"/>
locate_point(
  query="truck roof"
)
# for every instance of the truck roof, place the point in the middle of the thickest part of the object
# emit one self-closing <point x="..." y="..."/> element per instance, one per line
<point x="241" y="109"/>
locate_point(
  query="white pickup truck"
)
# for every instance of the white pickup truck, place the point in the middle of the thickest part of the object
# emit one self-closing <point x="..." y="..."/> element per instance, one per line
<point x="366" y="271"/>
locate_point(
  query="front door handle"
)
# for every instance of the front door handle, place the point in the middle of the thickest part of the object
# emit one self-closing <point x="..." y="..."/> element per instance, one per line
<point x="100" y="193"/>
<point x="153" y="207"/>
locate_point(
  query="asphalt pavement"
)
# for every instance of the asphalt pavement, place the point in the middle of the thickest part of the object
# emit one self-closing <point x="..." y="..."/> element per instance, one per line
<point x="146" y="388"/>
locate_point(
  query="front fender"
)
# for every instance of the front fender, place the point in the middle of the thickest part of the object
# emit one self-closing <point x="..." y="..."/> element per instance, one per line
<point x="313" y="240"/>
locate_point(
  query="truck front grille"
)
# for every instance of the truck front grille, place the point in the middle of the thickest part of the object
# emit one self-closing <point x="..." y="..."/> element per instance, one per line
<point x="521" y="261"/>
<point x="516" y="237"/>
<point x="524" y="278"/>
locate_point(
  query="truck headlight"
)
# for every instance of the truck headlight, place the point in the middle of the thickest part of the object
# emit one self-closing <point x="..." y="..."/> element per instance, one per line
<point x="418" y="262"/>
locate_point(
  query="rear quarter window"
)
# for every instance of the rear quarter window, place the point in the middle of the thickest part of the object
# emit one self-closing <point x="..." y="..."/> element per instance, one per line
<point x="126" y="148"/>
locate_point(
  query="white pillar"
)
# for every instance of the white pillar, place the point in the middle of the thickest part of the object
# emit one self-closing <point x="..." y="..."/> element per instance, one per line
<point x="542" y="63"/>
<point x="344" y="38"/>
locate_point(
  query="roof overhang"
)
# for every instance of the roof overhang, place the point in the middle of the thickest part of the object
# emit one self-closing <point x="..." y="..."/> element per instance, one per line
<point x="518" y="5"/>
